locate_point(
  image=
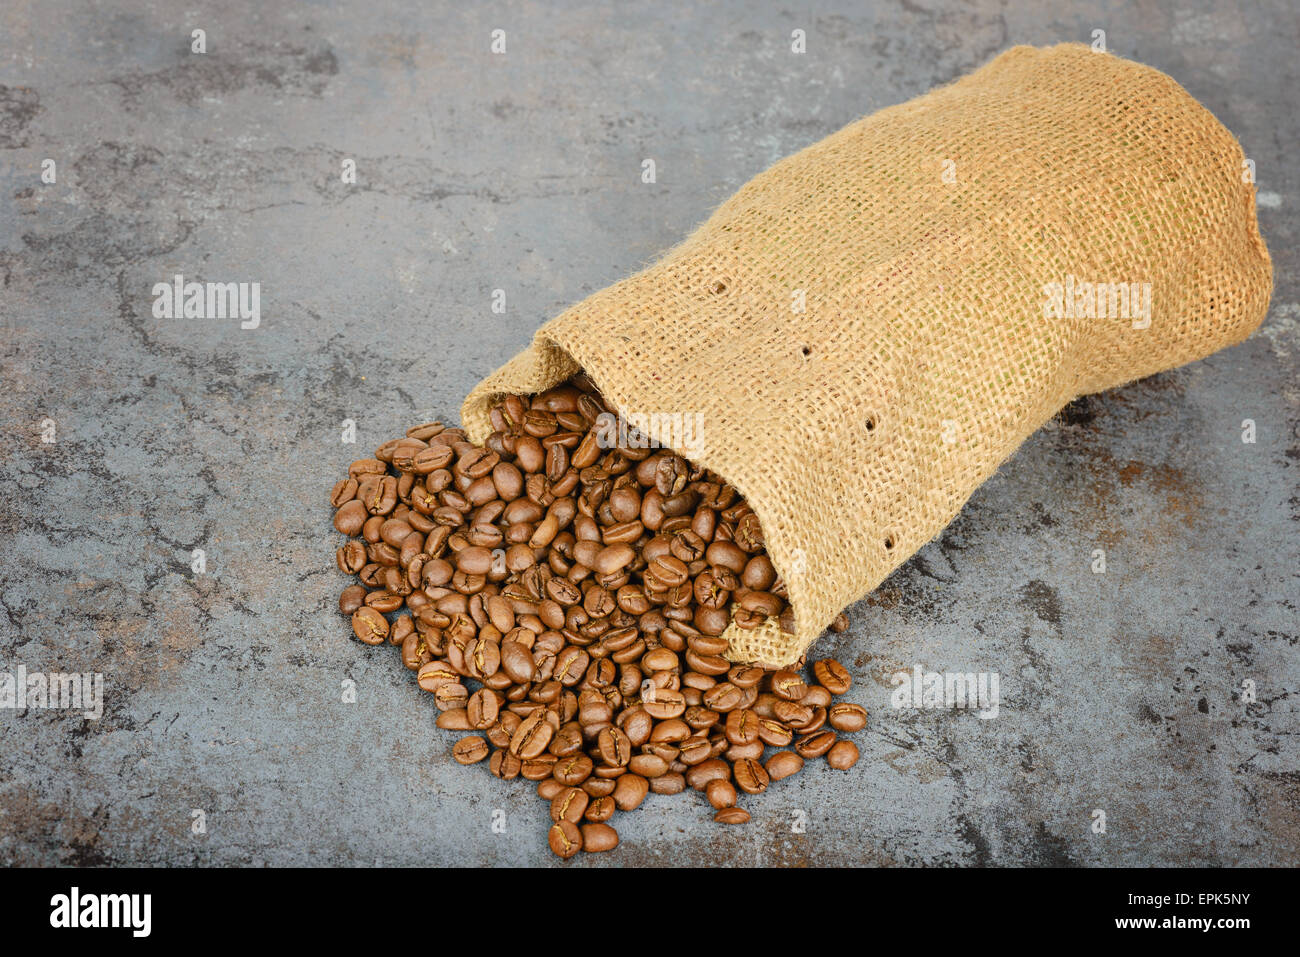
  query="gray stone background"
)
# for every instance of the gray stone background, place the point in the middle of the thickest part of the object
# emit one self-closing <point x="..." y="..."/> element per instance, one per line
<point x="1120" y="691"/>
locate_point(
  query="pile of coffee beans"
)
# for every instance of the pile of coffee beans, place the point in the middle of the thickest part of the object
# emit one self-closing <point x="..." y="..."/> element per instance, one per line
<point x="564" y="604"/>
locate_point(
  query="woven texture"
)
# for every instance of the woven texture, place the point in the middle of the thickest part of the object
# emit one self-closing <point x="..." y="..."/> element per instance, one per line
<point x="926" y="240"/>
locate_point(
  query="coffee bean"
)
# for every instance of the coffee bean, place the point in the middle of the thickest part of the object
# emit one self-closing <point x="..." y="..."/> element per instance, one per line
<point x="350" y="517"/>
<point x="474" y="560"/>
<point x="504" y="765"/>
<point x="788" y="685"/>
<point x="670" y="783"/>
<point x="352" y="598"/>
<point x="565" y="839"/>
<point x="533" y="736"/>
<point x="750" y="776"/>
<point x="569" y="805"/>
<point x="665" y="703"/>
<point x="732" y="815"/>
<point x="597" y="786"/>
<point x="573" y="770"/>
<point x="434" y="674"/>
<point x="845" y="716"/>
<point x="648" y="765"/>
<point x="455" y="720"/>
<point x="629" y="791"/>
<point x="842" y="755"/>
<point x="702" y="774"/>
<point x="598" y="837"/>
<point x="792" y="713"/>
<point x="370" y="626"/>
<point x="816" y="744"/>
<point x="451" y="695"/>
<point x="721" y="793"/>
<point x="482" y="709"/>
<point x="615" y="748"/>
<point x="783" y="764"/>
<point x="600" y="809"/>
<point x="833" y="675"/>
<point x="613" y="558"/>
<point x="723" y="697"/>
<point x="470" y="750"/>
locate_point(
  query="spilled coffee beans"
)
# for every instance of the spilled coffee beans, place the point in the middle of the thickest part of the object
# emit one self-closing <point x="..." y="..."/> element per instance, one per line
<point x="564" y="605"/>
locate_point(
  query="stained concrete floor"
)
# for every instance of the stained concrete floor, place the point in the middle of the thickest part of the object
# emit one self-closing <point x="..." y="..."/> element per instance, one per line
<point x="1121" y="692"/>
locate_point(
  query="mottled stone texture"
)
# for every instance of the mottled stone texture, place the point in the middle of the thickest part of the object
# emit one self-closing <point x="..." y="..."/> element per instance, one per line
<point x="1121" y="691"/>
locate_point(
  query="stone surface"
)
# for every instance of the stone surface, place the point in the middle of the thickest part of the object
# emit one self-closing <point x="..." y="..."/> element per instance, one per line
<point x="1120" y="692"/>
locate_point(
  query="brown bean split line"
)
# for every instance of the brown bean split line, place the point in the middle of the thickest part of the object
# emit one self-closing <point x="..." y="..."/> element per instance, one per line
<point x="564" y="604"/>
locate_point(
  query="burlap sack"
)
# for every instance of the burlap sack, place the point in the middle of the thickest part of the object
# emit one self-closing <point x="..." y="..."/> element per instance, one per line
<point x="872" y="325"/>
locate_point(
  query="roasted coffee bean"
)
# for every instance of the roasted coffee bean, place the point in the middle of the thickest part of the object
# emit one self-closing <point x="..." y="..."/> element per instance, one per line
<point x="370" y="626"/>
<point x="648" y="765"/>
<point x="597" y="837"/>
<point x="504" y="765"/>
<point x="600" y="809"/>
<point x="433" y="675"/>
<point x="450" y="696"/>
<point x="788" y="685"/>
<point x="351" y="557"/>
<point x="567" y="741"/>
<point x="750" y="776"/>
<point x="742" y="726"/>
<point x="833" y="675"/>
<point x="721" y="793"/>
<point x="615" y="748"/>
<point x="792" y="713"/>
<point x="732" y="815"/>
<point x="565" y="839"/>
<point x="533" y="735"/>
<point x="816" y="744"/>
<point x="664" y="703"/>
<point x="345" y="490"/>
<point x="573" y="770"/>
<point x="482" y="709"/>
<point x="782" y="765"/>
<point x="701" y="774"/>
<point x="774" y="732"/>
<point x="842" y="755"/>
<point x="454" y="720"/>
<point x="846" y="716"/>
<point x="470" y="750"/>
<point x="569" y="805"/>
<point x="352" y="598"/>
<point x="817" y="697"/>
<point x="723" y="697"/>
<point x="350" y="517"/>
<point x="599" y="786"/>
<point x="538" y="768"/>
<point x="629" y="791"/>
<point x="695" y="751"/>
<point x="670" y="783"/>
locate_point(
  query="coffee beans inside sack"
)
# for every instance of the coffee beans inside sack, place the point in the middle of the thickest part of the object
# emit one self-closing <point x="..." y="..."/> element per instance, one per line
<point x="563" y="600"/>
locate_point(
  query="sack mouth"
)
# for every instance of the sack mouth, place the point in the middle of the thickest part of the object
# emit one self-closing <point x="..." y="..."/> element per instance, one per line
<point x="550" y="360"/>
